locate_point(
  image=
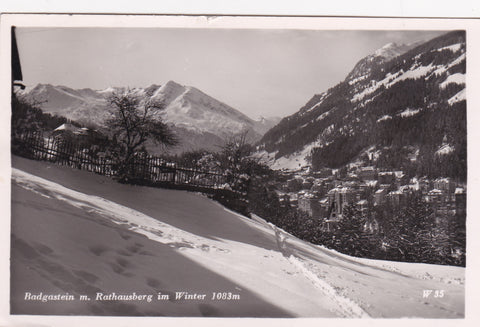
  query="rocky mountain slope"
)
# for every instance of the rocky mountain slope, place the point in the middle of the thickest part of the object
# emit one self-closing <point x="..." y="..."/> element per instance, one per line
<point x="403" y="107"/>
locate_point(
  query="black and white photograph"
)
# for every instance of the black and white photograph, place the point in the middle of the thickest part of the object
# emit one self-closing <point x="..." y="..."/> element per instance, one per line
<point x="196" y="167"/>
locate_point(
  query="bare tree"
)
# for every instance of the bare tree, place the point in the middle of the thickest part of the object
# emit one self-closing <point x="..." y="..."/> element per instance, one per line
<point x="135" y="121"/>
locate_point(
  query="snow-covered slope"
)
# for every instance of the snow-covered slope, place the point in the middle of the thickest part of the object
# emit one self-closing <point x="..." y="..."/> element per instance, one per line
<point x="79" y="233"/>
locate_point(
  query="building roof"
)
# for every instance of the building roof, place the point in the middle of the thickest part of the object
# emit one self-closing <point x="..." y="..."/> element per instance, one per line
<point x="71" y="128"/>
<point x="395" y="192"/>
<point x="459" y="190"/>
<point x="385" y="173"/>
<point x="340" y="189"/>
<point x="293" y="196"/>
<point x="443" y="179"/>
<point x="371" y="183"/>
<point x="308" y="195"/>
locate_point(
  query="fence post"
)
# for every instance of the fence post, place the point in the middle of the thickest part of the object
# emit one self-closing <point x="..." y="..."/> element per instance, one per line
<point x="144" y="167"/>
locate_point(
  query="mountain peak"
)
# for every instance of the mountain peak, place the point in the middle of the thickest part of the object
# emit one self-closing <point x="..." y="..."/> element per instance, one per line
<point x="388" y="46"/>
<point x="107" y="90"/>
<point x="391" y="50"/>
<point x="170" y="91"/>
<point x="173" y="85"/>
<point x="386" y="53"/>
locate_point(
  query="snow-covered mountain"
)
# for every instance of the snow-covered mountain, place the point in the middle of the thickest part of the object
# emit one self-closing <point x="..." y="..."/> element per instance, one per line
<point x="85" y="105"/>
<point x="396" y="102"/>
<point x="190" y="108"/>
<point x="199" y="120"/>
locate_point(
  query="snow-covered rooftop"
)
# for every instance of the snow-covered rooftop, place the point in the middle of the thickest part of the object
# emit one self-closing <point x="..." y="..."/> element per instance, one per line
<point x="71" y="128"/>
<point x="459" y="190"/>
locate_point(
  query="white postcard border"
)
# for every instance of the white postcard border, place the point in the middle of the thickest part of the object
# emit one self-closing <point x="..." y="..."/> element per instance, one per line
<point x="472" y="26"/>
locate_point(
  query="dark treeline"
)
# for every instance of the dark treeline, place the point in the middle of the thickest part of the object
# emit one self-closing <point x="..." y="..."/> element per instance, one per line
<point x="27" y="116"/>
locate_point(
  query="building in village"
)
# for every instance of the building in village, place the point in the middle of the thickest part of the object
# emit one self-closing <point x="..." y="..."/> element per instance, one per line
<point x="400" y="178"/>
<point x="447" y="185"/>
<point x="310" y="204"/>
<point x="396" y="198"/>
<point x="460" y="204"/>
<point x="339" y="197"/>
<point x="293" y="200"/>
<point x="367" y="173"/>
<point x="386" y="177"/>
<point x="379" y="196"/>
<point x="362" y="206"/>
<point x="323" y="173"/>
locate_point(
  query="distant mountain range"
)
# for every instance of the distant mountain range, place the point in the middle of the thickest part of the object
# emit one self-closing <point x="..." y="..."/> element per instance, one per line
<point x="403" y="107"/>
<point x="199" y="120"/>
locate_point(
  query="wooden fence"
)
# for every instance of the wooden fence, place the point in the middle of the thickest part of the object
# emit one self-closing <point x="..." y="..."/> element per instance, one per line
<point x="145" y="169"/>
<point x="156" y="170"/>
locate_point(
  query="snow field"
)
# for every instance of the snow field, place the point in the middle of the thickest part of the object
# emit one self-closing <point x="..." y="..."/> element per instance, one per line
<point x="456" y="78"/>
<point x="264" y="271"/>
<point x="301" y="279"/>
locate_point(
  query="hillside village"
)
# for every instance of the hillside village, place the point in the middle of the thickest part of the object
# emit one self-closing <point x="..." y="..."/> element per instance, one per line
<point x="324" y="194"/>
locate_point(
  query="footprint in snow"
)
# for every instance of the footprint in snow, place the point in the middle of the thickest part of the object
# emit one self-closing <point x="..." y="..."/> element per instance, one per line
<point x="153" y="282"/>
<point x="98" y="250"/>
<point x="181" y="245"/>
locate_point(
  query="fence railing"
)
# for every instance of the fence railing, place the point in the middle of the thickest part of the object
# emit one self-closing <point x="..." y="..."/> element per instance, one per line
<point x="147" y="169"/>
<point x="156" y="170"/>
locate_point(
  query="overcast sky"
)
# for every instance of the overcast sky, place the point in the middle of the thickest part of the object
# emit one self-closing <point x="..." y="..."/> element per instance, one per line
<point x="259" y="72"/>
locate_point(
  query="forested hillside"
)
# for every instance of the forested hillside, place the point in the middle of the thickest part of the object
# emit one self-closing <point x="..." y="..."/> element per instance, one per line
<point x="406" y="113"/>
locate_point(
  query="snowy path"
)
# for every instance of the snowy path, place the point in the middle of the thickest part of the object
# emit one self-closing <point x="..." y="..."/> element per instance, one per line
<point x="346" y="307"/>
<point x="298" y="278"/>
<point x="364" y="288"/>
